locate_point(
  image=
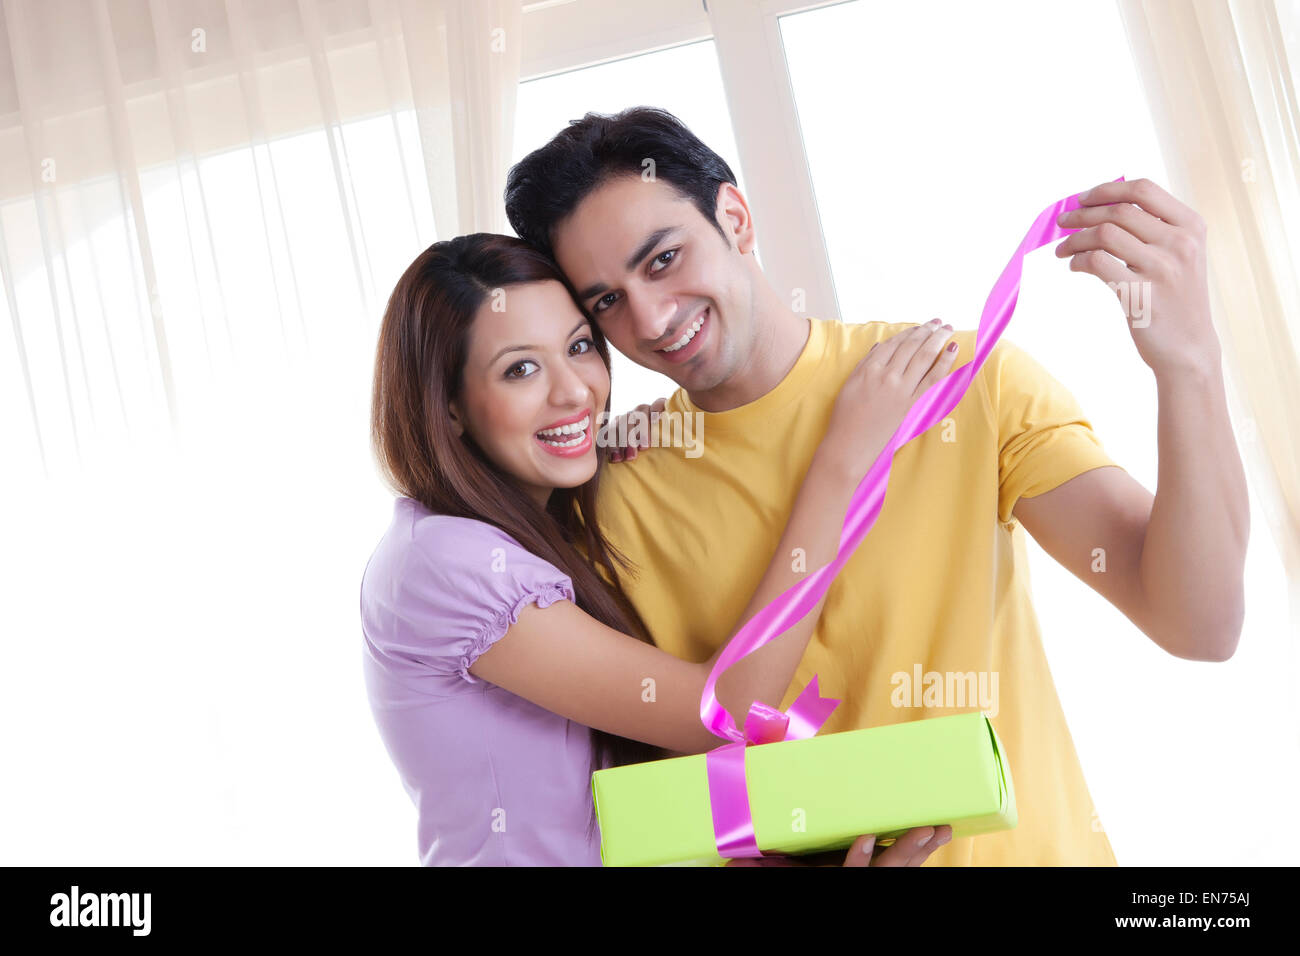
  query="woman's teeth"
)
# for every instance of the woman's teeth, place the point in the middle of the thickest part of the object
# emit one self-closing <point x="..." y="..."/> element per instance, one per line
<point x="690" y="334"/>
<point x="557" y="436"/>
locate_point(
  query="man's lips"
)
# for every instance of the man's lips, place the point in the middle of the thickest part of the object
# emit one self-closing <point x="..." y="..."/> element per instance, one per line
<point x="693" y="333"/>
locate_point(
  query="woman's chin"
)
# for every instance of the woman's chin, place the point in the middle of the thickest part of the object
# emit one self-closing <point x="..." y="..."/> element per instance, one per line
<point x="566" y="463"/>
<point x="555" y="472"/>
<point x="571" y="473"/>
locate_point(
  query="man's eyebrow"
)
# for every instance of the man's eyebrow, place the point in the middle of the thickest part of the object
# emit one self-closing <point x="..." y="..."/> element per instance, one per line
<point x="526" y="348"/>
<point x="642" y="251"/>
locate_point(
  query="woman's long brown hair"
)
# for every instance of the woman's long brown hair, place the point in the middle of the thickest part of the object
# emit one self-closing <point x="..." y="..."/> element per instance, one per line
<point x="423" y="345"/>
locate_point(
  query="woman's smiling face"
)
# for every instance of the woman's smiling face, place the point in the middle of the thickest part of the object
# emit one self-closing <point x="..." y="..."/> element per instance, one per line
<point x="533" y="387"/>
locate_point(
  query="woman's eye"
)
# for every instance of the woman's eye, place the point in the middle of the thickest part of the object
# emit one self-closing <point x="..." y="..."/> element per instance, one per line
<point x="513" y="371"/>
<point x="586" y="344"/>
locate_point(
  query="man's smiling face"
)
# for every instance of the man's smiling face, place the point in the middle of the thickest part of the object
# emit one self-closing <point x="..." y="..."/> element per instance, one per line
<point x="667" y="290"/>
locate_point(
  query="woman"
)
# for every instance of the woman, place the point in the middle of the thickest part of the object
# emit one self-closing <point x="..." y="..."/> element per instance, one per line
<point x="503" y="664"/>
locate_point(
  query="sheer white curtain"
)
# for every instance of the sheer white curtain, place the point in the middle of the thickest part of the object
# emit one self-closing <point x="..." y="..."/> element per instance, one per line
<point x="1221" y="78"/>
<point x="162" y="163"/>
<point x="204" y="205"/>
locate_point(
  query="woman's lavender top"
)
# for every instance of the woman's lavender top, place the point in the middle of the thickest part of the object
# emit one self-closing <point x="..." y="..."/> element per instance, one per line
<point x="496" y="780"/>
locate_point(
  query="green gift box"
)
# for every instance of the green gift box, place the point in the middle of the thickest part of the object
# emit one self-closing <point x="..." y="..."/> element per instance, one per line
<point x="816" y="794"/>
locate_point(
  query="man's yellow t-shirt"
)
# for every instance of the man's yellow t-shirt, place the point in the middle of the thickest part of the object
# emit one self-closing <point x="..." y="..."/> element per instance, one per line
<point x="932" y="614"/>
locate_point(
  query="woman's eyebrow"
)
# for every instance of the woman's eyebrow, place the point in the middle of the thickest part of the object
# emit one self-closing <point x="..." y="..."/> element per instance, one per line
<point x="641" y="252"/>
<point x="525" y="348"/>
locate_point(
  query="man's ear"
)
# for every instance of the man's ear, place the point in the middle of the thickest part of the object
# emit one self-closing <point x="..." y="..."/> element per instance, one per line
<point x="733" y="212"/>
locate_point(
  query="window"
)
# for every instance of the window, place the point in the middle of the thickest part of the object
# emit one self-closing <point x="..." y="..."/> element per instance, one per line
<point x="913" y="117"/>
<point x="683" y="80"/>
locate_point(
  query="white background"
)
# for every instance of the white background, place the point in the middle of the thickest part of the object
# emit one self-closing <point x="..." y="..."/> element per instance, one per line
<point x="181" y="673"/>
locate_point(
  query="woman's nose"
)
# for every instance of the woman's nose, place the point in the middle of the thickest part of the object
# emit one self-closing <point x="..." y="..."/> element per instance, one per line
<point x="568" y="388"/>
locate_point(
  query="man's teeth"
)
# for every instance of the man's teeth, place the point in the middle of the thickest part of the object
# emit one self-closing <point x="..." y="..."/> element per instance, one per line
<point x="552" y="436"/>
<point x="690" y="334"/>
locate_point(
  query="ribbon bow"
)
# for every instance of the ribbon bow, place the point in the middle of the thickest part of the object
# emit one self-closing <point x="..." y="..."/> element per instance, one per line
<point x="733" y="824"/>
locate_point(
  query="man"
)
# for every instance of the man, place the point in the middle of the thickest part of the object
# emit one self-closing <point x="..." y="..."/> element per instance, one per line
<point x="932" y="615"/>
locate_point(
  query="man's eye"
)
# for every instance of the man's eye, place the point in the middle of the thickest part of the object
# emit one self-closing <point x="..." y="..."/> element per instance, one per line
<point x="607" y="296"/>
<point x="586" y="343"/>
<point x="511" y="372"/>
<point x="660" y="258"/>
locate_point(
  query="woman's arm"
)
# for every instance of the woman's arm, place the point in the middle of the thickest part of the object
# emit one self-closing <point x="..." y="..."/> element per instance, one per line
<point x="565" y="661"/>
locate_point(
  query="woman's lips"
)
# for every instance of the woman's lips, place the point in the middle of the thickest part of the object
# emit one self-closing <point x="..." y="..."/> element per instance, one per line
<point x="571" y="420"/>
<point x="568" y="445"/>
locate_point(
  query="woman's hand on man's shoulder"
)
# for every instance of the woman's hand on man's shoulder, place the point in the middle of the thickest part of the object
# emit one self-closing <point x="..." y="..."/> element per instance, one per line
<point x="625" y="438"/>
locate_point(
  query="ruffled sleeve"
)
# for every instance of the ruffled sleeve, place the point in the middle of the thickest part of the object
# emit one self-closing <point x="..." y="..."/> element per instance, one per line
<point x="464" y="587"/>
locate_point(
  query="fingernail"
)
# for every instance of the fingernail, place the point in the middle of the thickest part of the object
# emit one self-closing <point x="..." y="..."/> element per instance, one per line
<point x="952" y="346"/>
<point x="947" y="326"/>
<point x="1084" y="195"/>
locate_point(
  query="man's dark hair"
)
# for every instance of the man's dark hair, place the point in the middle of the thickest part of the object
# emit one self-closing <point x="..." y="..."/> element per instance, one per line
<point x="547" y="185"/>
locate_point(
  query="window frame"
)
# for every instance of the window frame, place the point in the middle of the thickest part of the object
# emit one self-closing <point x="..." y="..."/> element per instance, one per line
<point x="565" y="35"/>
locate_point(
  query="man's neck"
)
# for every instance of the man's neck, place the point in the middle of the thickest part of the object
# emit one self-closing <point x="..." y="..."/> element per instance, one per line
<point x="780" y="341"/>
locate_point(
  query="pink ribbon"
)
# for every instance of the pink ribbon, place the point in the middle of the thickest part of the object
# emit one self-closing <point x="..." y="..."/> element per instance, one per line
<point x="733" y="824"/>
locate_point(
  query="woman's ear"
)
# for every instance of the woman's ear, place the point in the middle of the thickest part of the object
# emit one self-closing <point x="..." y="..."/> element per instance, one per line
<point x="457" y="423"/>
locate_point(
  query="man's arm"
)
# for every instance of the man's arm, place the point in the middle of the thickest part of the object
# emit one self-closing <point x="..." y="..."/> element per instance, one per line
<point x="1173" y="563"/>
<point x="1179" y="569"/>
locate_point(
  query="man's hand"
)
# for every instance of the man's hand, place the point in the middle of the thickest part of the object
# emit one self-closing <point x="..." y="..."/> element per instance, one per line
<point x="1186" y="547"/>
<point x="911" y="849"/>
<point x="1158" y="270"/>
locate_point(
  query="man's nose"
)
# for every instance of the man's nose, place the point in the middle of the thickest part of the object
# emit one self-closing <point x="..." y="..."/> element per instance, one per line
<point x="652" y="315"/>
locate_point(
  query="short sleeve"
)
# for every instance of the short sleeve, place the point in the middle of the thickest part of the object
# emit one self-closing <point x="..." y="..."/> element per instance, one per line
<point x="1044" y="439"/>
<point x="465" y="585"/>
